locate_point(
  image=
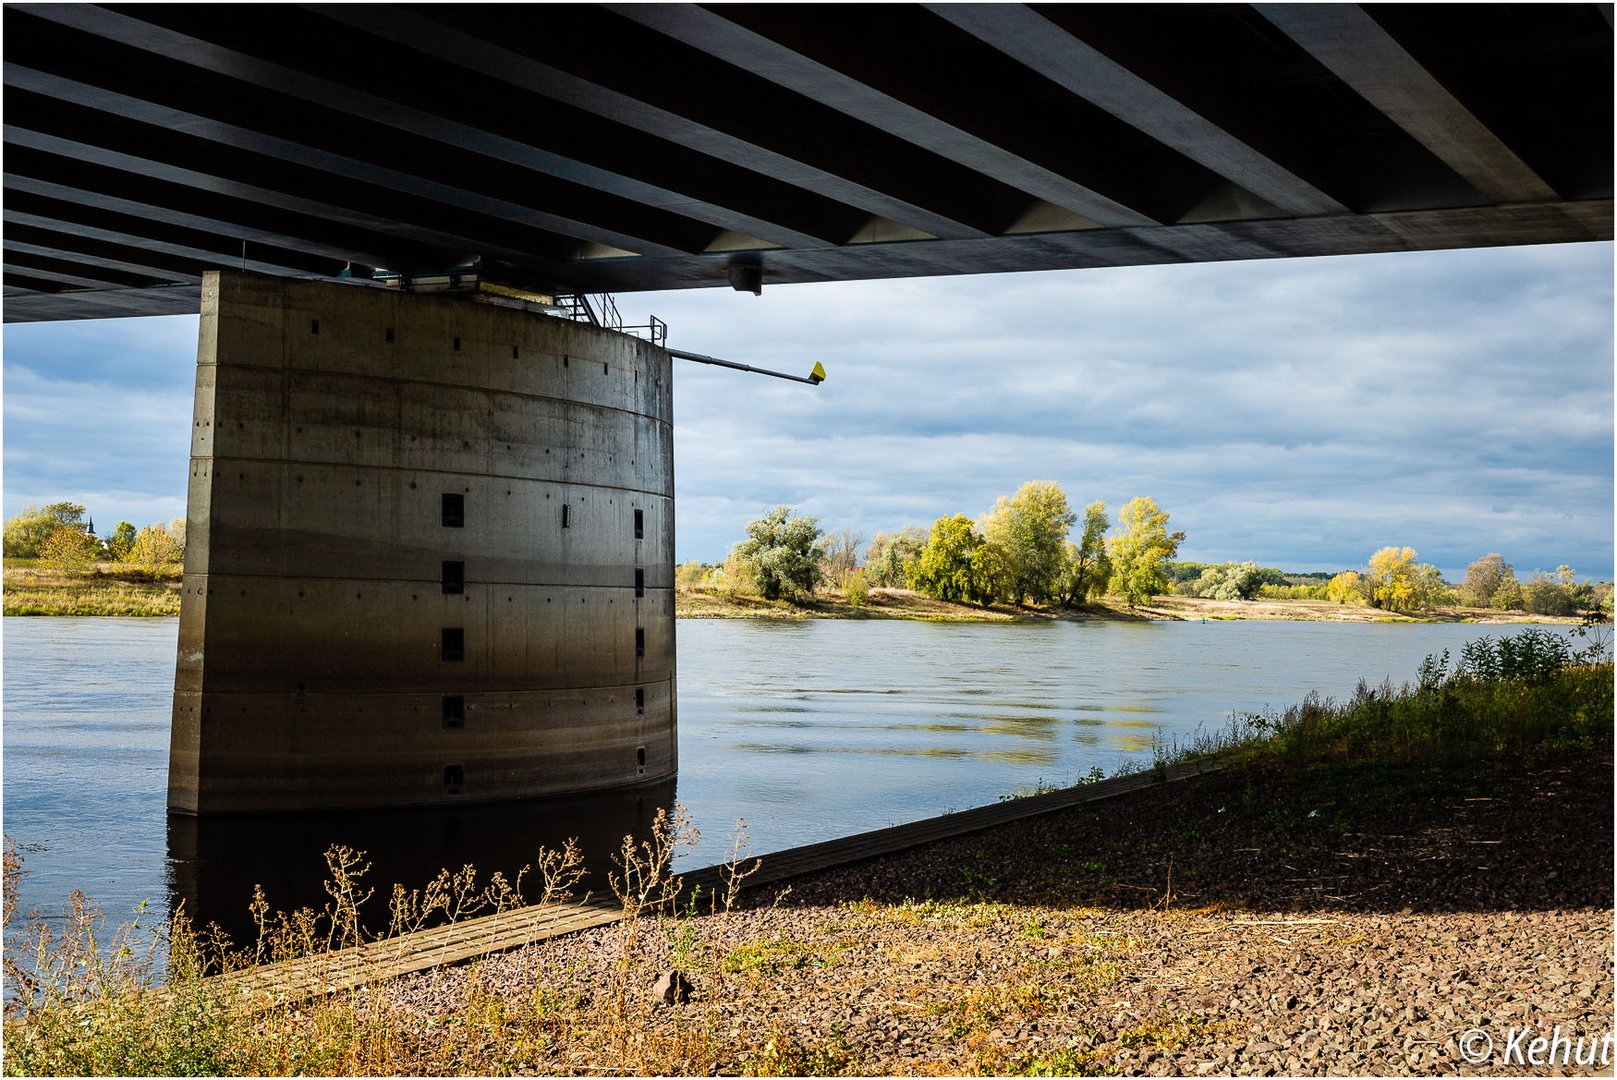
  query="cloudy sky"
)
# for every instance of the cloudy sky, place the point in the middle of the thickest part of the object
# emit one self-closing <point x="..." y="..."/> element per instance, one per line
<point x="1300" y="413"/>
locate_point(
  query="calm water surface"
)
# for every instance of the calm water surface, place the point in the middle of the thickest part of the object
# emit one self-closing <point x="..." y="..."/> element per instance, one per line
<point x="808" y="730"/>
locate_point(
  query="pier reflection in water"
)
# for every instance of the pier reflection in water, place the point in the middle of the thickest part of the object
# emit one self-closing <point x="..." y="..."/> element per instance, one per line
<point x="214" y="862"/>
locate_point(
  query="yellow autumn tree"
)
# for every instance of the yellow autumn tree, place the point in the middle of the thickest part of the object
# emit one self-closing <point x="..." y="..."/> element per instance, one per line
<point x="1345" y="588"/>
<point x="157" y="550"/>
<point x="68" y="549"/>
<point x="1390" y="581"/>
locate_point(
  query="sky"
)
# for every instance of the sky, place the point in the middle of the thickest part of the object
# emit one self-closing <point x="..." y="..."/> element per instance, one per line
<point x="1300" y="413"/>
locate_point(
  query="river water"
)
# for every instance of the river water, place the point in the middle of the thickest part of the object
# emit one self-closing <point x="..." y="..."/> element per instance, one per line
<point x="808" y="730"/>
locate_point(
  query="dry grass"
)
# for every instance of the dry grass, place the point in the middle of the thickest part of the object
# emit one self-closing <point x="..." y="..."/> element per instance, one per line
<point x="108" y="589"/>
<point x="708" y="602"/>
<point x="82" y="1002"/>
<point x="1196" y="607"/>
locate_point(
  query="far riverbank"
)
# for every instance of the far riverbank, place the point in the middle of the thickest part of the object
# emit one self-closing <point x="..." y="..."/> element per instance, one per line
<point x="704" y="603"/>
<point x="111" y="590"/>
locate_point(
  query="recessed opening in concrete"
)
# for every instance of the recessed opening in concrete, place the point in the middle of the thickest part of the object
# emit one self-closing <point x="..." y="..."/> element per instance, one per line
<point x="454" y="577"/>
<point x="639" y="524"/>
<point x="566" y="515"/>
<point x="640" y="699"/>
<point x="454" y="778"/>
<point x="640" y="641"/>
<point x="314" y="327"/>
<point x="457" y="344"/>
<point x="453" y="643"/>
<point x="454" y="711"/>
<point x="640" y="758"/>
<point x="454" y="510"/>
<point x="639" y="582"/>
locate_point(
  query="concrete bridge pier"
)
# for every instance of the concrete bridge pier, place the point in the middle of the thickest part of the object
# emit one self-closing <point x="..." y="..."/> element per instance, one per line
<point x="429" y="554"/>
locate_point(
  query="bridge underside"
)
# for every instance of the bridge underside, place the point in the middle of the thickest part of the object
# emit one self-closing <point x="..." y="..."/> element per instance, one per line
<point x="583" y="148"/>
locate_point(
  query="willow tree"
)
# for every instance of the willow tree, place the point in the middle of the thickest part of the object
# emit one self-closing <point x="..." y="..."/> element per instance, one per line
<point x="1089" y="567"/>
<point x="783" y="554"/>
<point x="1139" y="552"/>
<point x="1030" y="529"/>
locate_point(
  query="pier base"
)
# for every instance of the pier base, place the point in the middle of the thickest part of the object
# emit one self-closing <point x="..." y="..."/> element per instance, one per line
<point x="429" y="554"/>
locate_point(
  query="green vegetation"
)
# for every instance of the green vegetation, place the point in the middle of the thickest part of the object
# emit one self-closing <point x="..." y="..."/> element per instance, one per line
<point x="783" y="555"/>
<point x="1141" y="551"/>
<point x="1511" y="699"/>
<point x="889" y="554"/>
<point x="956" y="565"/>
<point x="25" y="534"/>
<point x="1089" y="566"/>
<point x="1030" y="530"/>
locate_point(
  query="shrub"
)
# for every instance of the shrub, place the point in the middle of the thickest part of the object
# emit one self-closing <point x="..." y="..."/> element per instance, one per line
<point x="68" y="549"/>
<point x="855" y="589"/>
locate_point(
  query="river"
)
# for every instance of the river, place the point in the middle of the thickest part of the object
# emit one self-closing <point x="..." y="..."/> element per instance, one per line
<point x="808" y="730"/>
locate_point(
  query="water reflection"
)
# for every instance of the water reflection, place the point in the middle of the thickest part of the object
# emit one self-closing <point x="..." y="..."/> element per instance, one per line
<point x="214" y="862"/>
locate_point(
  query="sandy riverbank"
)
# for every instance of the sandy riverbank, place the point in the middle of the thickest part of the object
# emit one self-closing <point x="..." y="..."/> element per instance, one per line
<point x="906" y="604"/>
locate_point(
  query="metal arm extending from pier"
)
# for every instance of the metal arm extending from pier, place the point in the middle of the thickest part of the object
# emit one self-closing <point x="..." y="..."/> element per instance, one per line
<point x="814" y="378"/>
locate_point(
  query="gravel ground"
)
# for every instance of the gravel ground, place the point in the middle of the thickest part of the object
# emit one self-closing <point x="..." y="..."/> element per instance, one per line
<point x="1260" y="921"/>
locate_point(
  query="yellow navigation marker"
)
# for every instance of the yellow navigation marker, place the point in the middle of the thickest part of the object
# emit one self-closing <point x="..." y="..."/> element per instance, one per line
<point x="817" y="376"/>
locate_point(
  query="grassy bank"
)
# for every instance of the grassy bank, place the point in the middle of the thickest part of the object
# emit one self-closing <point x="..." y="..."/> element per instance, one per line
<point x="1055" y="946"/>
<point x="109" y="589"/>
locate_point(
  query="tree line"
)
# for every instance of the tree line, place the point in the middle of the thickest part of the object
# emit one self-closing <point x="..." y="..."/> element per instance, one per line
<point x="62" y="536"/>
<point x="1033" y="548"/>
<point x="1023" y="550"/>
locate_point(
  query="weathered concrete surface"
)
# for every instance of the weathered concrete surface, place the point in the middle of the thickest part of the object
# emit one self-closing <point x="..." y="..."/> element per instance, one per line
<point x="357" y="457"/>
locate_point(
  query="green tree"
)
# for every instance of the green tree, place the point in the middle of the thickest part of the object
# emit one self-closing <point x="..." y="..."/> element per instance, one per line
<point x="1484" y="578"/>
<point x="1431" y="591"/>
<point x="25" y="534"/>
<point x="1232" y="581"/>
<point x="1509" y="595"/>
<point x="68" y="549"/>
<point x="855" y="589"/>
<point x="121" y="542"/>
<point x="1547" y="594"/>
<point x="784" y="555"/>
<point x="157" y="550"/>
<point x="1088" y="568"/>
<point x="889" y="556"/>
<point x="949" y="566"/>
<point x="1140" y="551"/>
<point x="1030" y="528"/>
